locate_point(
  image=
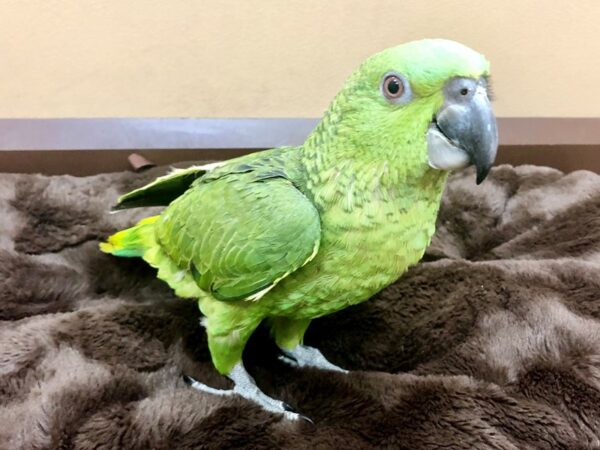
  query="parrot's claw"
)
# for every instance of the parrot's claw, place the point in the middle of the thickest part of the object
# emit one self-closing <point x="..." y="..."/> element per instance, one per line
<point x="246" y="387"/>
<point x="305" y="356"/>
<point x="204" y="388"/>
<point x="289" y="361"/>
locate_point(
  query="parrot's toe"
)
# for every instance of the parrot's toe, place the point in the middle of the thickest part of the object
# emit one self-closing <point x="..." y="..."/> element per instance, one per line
<point x="204" y="388"/>
<point x="246" y="387"/>
<point x="305" y="356"/>
<point x="288" y="360"/>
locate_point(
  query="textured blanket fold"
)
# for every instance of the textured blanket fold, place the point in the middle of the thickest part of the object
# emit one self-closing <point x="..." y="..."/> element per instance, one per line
<point x="491" y="342"/>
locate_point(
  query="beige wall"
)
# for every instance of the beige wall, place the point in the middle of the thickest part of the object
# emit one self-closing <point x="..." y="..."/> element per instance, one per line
<point x="274" y="58"/>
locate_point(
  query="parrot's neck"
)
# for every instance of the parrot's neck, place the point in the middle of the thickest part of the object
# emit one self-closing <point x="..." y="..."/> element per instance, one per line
<point x="337" y="163"/>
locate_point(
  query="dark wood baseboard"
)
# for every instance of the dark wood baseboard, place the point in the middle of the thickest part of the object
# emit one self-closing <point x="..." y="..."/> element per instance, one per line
<point x="566" y="158"/>
<point x="91" y="162"/>
<point x="89" y="146"/>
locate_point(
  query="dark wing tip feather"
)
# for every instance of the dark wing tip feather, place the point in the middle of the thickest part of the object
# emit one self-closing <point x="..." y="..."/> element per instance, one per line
<point x="157" y="193"/>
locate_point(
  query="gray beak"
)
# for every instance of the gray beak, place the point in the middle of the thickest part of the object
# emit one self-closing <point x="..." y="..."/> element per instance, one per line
<point x="464" y="131"/>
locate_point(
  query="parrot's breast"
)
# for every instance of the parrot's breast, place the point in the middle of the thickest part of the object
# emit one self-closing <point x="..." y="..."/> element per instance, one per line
<point x="363" y="249"/>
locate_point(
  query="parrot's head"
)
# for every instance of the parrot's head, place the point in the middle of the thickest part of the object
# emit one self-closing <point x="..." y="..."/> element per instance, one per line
<point x="425" y="104"/>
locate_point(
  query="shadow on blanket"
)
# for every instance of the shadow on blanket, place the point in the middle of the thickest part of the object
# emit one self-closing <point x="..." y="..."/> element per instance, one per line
<point x="493" y="341"/>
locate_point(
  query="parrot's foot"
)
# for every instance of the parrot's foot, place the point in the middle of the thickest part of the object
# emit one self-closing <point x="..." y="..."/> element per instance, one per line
<point x="305" y="356"/>
<point x="245" y="386"/>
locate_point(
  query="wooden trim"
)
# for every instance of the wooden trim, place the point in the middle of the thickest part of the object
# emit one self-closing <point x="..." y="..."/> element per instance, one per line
<point x="537" y="131"/>
<point x="566" y="158"/>
<point x="89" y="146"/>
<point x="91" y="162"/>
<point x="151" y="134"/>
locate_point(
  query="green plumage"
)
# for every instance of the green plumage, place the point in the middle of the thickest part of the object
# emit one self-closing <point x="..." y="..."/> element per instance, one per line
<point x="235" y="248"/>
<point x="291" y="234"/>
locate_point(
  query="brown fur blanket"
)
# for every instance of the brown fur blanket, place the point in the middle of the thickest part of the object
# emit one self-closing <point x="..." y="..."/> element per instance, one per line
<point x="491" y="342"/>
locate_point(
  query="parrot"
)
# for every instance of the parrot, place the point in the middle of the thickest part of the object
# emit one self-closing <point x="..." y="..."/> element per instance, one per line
<point x="290" y="234"/>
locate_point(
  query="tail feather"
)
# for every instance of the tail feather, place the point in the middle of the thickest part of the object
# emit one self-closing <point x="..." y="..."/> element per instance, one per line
<point x="132" y="242"/>
<point x="140" y="241"/>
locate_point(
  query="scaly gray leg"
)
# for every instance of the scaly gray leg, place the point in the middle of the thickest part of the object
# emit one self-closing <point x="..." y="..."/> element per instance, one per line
<point x="245" y="386"/>
<point x="305" y="356"/>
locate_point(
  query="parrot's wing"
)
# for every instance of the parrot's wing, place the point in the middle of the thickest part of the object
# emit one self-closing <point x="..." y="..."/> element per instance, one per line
<point x="240" y="234"/>
<point x="165" y="189"/>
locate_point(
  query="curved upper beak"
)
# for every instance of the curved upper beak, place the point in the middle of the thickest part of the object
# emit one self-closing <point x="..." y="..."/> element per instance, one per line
<point x="464" y="131"/>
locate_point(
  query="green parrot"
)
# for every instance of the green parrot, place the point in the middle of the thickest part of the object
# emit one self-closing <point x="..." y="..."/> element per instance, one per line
<point x="290" y="234"/>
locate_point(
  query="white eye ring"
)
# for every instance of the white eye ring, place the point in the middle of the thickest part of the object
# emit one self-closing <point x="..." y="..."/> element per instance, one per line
<point x="395" y="88"/>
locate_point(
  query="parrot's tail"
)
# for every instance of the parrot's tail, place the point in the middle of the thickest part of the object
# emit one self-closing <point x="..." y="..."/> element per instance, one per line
<point x="140" y="241"/>
<point x="132" y="242"/>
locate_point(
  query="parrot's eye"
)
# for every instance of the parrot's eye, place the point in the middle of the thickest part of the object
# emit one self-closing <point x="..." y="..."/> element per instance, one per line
<point x="392" y="87"/>
<point x="395" y="88"/>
